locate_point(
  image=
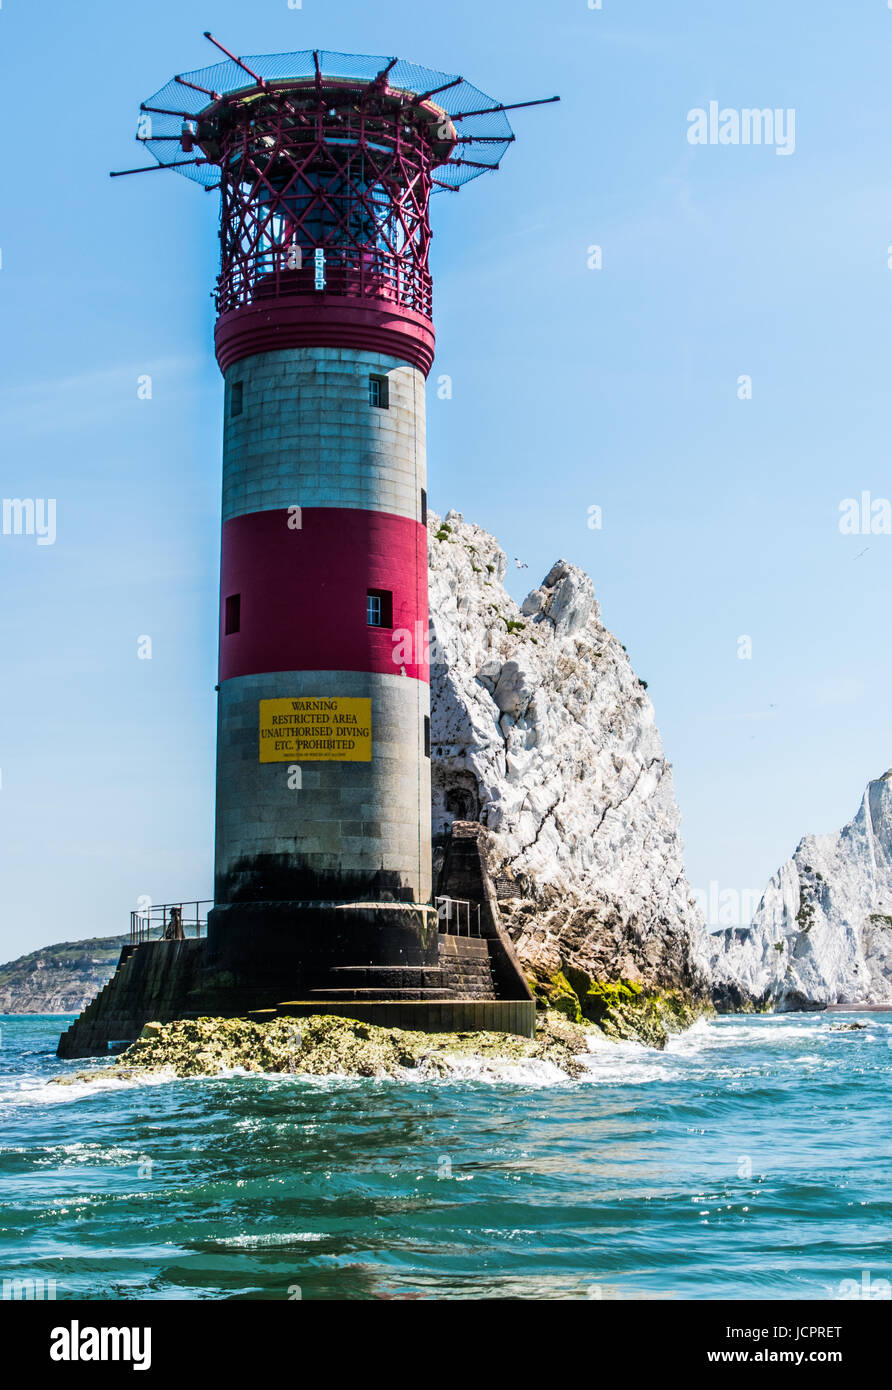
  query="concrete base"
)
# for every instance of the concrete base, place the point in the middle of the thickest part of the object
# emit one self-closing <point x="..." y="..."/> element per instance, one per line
<point x="385" y="963"/>
<point x="296" y="945"/>
<point x="516" y="1016"/>
<point x="152" y="981"/>
<point x="163" y="980"/>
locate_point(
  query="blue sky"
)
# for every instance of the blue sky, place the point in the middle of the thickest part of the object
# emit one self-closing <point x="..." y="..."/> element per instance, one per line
<point x="572" y="388"/>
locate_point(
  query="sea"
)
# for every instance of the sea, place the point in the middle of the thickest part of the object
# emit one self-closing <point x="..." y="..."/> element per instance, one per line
<point x="749" y="1160"/>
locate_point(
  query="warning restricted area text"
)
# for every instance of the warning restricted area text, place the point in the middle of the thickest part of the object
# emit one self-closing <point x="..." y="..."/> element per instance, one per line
<point x="316" y="729"/>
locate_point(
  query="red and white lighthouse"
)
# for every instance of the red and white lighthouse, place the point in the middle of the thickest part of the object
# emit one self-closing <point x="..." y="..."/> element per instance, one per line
<point x="325" y="164"/>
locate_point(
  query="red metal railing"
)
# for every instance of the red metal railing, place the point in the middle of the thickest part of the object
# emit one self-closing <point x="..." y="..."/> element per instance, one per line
<point x="269" y="274"/>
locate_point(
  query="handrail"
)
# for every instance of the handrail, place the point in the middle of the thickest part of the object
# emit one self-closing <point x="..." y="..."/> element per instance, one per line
<point x="450" y="912"/>
<point x="154" y="922"/>
<point x="274" y="272"/>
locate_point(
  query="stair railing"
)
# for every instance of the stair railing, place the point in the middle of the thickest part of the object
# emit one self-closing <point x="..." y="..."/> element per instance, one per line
<point x="456" y="915"/>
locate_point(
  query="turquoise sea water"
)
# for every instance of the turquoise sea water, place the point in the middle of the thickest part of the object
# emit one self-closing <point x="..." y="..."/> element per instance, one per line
<point x="749" y="1160"/>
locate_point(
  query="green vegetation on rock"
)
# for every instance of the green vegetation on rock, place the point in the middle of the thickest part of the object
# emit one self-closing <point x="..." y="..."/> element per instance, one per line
<point x="621" y="1009"/>
<point x="325" y="1045"/>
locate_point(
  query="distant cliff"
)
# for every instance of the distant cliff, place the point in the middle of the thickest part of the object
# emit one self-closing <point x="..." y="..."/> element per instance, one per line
<point x="59" y="979"/>
<point x="822" y="933"/>
<point x="542" y="732"/>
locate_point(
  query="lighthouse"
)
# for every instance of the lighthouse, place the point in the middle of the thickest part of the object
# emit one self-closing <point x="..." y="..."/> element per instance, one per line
<point x="325" y="165"/>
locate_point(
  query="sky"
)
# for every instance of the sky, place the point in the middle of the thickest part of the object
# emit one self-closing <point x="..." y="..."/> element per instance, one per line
<point x="719" y="388"/>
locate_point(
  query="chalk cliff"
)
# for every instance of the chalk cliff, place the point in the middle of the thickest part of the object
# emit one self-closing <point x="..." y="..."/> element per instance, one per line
<point x="822" y="933"/>
<point x="542" y="732"/>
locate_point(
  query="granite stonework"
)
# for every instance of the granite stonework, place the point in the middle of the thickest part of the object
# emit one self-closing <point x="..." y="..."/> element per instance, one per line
<point x="306" y="435"/>
<point x="321" y="864"/>
<point x="349" y="828"/>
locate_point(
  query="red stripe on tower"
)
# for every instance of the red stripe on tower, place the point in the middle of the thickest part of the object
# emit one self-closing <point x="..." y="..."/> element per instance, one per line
<point x="302" y="594"/>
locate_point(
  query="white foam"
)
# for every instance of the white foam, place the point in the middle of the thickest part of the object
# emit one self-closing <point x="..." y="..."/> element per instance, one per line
<point x="31" y="1092"/>
<point x="731" y="1049"/>
<point x="527" y="1071"/>
<point x="266" y="1241"/>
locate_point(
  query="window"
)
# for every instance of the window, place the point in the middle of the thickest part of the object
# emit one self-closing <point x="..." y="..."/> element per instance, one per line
<point x="379" y="608"/>
<point x="423" y="507"/>
<point x="232" y="614"/>
<point x="379" y="394"/>
<point x="235" y="399"/>
<point x="427" y="736"/>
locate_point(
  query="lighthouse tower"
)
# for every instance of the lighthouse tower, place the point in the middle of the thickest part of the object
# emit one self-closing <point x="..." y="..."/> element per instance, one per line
<point x="325" y="164"/>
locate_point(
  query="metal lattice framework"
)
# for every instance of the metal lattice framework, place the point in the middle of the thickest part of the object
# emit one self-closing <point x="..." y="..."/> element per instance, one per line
<point x="351" y="179"/>
<point x="325" y="163"/>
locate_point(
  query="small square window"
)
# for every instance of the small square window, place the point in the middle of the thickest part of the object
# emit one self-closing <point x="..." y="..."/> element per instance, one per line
<point x="379" y="608"/>
<point x="379" y="392"/>
<point x="232" y="614"/>
<point x="235" y="399"/>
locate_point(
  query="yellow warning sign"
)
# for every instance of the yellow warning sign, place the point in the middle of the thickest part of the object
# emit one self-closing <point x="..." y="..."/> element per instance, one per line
<point x="316" y="729"/>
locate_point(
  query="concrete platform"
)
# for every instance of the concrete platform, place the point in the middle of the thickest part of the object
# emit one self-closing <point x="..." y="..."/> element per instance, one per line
<point x="516" y="1016"/>
<point x="392" y="967"/>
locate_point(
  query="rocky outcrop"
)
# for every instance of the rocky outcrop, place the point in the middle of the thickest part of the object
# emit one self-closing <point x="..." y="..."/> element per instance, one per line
<point x="327" y="1046"/>
<point x="542" y="732"/>
<point x="59" y="979"/>
<point x="822" y="933"/>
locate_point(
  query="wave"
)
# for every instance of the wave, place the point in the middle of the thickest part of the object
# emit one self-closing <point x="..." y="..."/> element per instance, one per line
<point x="265" y="1242"/>
<point x="54" y="1091"/>
<point x="720" y="1051"/>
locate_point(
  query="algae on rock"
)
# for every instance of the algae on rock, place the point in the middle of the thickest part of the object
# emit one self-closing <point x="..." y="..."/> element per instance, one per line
<point x="621" y="1009"/>
<point x="325" y="1045"/>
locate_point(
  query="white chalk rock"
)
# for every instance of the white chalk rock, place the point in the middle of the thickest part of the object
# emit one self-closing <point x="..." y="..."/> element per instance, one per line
<point x="543" y="733"/>
<point x="822" y="933"/>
